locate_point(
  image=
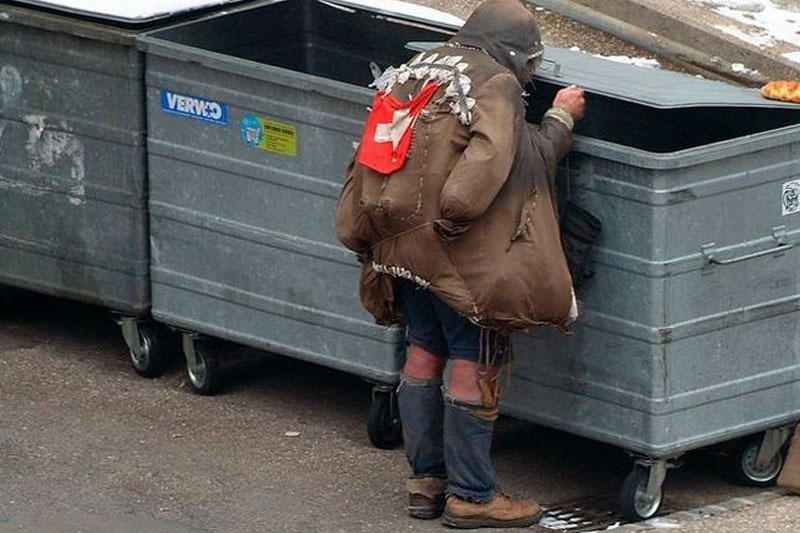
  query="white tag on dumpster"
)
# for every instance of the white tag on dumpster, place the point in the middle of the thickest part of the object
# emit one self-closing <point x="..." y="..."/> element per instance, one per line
<point x="790" y="197"/>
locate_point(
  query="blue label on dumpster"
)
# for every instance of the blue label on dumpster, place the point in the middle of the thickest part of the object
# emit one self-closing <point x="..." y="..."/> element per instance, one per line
<point x="251" y="131"/>
<point x="193" y="107"/>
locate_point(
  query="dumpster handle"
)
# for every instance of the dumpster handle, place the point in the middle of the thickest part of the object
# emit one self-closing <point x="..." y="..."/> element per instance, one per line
<point x="556" y="70"/>
<point x="778" y="233"/>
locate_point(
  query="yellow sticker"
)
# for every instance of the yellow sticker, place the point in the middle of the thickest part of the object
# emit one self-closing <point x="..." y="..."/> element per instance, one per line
<point x="279" y="137"/>
<point x="269" y="135"/>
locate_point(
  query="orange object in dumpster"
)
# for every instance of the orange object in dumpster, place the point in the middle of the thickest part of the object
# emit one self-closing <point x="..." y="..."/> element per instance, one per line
<point x="787" y="91"/>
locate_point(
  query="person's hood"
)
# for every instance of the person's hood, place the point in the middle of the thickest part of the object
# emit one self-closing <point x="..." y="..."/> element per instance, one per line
<point x="508" y="32"/>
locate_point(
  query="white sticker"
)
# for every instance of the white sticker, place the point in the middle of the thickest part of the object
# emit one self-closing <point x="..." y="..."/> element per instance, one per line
<point x="790" y="197"/>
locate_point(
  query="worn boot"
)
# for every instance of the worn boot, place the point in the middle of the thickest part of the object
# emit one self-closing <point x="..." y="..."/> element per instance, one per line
<point x="500" y="511"/>
<point x="473" y="499"/>
<point x="422" y="411"/>
<point x="426" y="497"/>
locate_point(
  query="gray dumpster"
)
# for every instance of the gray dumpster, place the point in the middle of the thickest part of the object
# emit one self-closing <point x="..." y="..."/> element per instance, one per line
<point x="689" y="333"/>
<point x="73" y="168"/>
<point x="690" y="330"/>
<point x="690" y="326"/>
<point x="242" y="230"/>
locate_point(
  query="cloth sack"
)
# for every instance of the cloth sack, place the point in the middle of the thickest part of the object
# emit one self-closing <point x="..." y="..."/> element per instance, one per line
<point x="790" y="475"/>
<point x="579" y="231"/>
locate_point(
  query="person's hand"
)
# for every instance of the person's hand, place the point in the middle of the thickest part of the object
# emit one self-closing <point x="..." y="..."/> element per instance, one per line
<point x="571" y="100"/>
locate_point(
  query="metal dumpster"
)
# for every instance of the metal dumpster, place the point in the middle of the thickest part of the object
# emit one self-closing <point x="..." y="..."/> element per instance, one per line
<point x="690" y="327"/>
<point x="73" y="168"/>
<point x="242" y="230"/>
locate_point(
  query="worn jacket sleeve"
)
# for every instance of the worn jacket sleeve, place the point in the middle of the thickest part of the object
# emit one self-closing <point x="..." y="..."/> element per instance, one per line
<point x="485" y="164"/>
<point x="553" y="140"/>
<point x="348" y="224"/>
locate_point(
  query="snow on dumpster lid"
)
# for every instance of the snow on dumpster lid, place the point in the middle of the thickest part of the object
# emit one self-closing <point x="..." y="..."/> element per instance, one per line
<point x="403" y="9"/>
<point x="130" y="11"/>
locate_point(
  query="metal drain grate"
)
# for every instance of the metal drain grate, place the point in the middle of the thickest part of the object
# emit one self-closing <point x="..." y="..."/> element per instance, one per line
<point x="584" y="516"/>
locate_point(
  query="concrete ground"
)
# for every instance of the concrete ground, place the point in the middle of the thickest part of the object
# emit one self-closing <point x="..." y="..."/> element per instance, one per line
<point x="86" y="445"/>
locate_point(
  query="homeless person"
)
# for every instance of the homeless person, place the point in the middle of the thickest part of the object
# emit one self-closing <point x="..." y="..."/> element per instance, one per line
<point x="449" y="205"/>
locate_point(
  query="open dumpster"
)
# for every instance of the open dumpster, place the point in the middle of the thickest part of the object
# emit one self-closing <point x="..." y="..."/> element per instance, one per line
<point x="242" y="231"/>
<point x="690" y="327"/>
<point x="73" y="165"/>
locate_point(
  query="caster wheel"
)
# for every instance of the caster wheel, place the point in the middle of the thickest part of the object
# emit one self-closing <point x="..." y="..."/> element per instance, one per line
<point x="635" y="501"/>
<point x="745" y="464"/>
<point x="148" y="355"/>
<point x="383" y="421"/>
<point x="202" y="367"/>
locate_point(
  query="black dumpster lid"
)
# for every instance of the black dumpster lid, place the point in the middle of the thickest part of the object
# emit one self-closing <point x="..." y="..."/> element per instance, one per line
<point x="131" y="12"/>
<point x="647" y="86"/>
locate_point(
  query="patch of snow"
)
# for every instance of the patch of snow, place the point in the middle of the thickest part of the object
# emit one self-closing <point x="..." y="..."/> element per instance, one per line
<point x="405" y="9"/>
<point x="635" y="61"/>
<point x="782" y="24"/>
<point x="739" y="68"/>
<point x="138" y="10"/>
<point x="793" y="56"/>
<point x="761" y="39"/>
<point x="753" y="6"/>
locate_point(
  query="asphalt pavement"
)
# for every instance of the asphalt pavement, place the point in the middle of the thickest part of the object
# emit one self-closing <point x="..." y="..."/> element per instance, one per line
<point x="87" y="445"/>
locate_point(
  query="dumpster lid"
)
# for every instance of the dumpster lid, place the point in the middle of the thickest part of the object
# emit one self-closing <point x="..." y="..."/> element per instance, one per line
<point x="651" y="87"/>
<point x="130" y="12"/>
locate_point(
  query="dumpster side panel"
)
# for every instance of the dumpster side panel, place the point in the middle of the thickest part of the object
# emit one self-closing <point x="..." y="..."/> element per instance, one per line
<point x="243" y="240"/>
<point x="73" y="168"/>
<point x="660" y="400"/>
<point x="707" y="351"/>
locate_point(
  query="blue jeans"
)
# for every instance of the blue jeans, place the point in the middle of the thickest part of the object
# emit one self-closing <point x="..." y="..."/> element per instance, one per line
<point x="434" y="325"/>
<point x="442" y="436"/>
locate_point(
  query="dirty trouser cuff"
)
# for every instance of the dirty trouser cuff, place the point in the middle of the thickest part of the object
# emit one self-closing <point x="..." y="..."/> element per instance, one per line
<point x="430" y="487"/>
<point x="419" y="382"/>
<point x="476" y="409"/>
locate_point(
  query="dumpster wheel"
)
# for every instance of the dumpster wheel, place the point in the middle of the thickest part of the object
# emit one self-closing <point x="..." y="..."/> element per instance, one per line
<point x="383" y="420"/>
<point x="747" y="468"/>
<point x="148" y="347"/>
<point x="202" y="367"/>
<point x="641" y="495"/>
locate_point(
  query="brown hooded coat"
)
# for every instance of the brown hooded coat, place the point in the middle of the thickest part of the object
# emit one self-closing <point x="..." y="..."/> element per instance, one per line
<point x="471" y="216"/>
